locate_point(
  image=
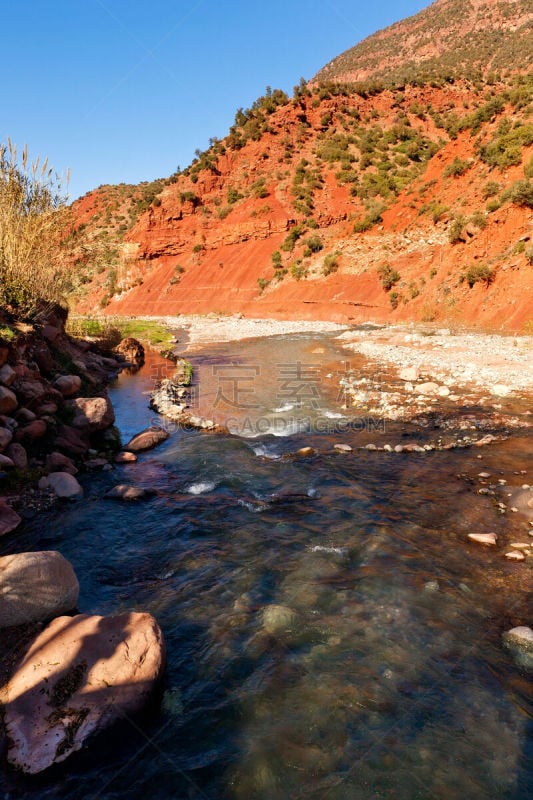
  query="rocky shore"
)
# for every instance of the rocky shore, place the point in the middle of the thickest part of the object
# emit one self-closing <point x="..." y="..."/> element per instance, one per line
<point x="65" y="675"/>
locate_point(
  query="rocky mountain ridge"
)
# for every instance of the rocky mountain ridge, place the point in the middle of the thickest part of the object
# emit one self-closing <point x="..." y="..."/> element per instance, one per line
<point x="348" y="201"/>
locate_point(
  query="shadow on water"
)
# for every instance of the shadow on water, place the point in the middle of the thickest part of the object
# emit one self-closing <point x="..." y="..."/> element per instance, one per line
<point x="330" y="633"/>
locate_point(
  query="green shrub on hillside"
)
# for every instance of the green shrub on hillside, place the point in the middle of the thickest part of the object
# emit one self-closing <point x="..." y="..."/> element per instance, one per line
<point x="388" y="276"/>
<point x="456" y="168"/>
<point x="479" y="273"/>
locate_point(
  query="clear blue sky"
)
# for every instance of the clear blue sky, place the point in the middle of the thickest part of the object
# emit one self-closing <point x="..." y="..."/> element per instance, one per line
<point x="124" y="90"/>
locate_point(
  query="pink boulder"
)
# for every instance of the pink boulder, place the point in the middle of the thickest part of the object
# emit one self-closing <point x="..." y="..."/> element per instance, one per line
<point x="80" y="675"/>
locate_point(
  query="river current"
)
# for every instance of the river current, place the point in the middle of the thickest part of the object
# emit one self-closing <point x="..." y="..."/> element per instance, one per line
<point x="331" y="634"/>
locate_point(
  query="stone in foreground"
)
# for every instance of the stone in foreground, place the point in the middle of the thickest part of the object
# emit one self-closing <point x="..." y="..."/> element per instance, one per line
<point x="80" y="675"/>
<point x="147" y="439"/>
<point x="35" y="587"/>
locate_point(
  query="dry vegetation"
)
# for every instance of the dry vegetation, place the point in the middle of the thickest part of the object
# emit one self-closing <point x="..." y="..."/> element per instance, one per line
<point x="33" y="218"/>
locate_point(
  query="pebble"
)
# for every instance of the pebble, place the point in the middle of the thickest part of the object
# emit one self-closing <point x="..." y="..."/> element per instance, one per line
<point x="343" y="448"/>
<point x="489" y="539"/>
<point x="306" y="452"/>
<point x="515" y="555"/>
<point x="521" y="545"/>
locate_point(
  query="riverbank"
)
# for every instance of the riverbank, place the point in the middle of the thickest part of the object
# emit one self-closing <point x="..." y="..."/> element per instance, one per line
<point x="500" y="364"/>
<point x="198" y="330"/>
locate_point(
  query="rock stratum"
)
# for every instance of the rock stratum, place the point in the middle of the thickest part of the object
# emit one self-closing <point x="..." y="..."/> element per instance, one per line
<point x="385" y="189"/>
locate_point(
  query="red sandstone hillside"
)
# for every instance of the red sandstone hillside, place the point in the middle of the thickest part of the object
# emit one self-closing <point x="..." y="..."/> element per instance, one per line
<point x="345" y="202"/>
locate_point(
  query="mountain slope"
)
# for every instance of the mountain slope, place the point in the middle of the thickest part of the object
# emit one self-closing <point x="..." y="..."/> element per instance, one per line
<point x="449" y="39"/>
<point x="344" y="202"/>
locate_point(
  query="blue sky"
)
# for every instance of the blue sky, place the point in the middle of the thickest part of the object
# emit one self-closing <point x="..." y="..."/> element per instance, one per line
<point x="124" y="90"/>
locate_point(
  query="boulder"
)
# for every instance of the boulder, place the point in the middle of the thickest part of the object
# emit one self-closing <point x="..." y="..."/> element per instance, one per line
<point x="409" y="374"/>
<point x="92" y="413"/>
<point x="279" y="620"/>
<point x="9" y="520"/>
<point x="33" y="390"/>
<point x="519" y="641"/>
<point x="71" y="441"/>
<point x="8" y="400"/>
<point x="427" y="389"/>
<point x="24" y="415"/>
<point x="63" y="484"/>
<point x="79" y="676"/>
<point x="6" y="462"/>
<point x="18" y="455"/>
<point x="132" y="350"/>
<point x="68" y="384"/>
<point x="125" y="458"/>
<point x="32" y="431"/>
<point x="7" y="375"/>
<point x="36" y="587"/>
<point x="147" y="439"/>
<point x="5" y="438"/>
<point x="57" y="462"/>
<point x="125" y="492"/>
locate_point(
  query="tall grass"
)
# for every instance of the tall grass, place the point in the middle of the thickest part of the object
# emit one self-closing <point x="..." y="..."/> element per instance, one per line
<point x="33" y="219"/>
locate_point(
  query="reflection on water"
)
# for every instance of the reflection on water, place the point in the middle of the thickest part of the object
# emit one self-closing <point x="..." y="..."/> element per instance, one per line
<point x="330" y="634"/>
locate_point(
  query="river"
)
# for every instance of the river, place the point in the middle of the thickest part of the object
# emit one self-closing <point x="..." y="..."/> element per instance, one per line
<point x="331" y="633"/>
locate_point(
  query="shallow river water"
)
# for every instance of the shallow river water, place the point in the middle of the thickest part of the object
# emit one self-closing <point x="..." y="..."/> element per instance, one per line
<point x="331" y="634"/>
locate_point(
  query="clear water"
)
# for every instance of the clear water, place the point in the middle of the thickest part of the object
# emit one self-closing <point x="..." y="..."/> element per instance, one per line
<point x="389" y="680"/>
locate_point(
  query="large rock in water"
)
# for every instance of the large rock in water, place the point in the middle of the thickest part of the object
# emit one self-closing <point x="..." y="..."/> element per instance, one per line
<point x="132" y="350"/>
<point x="147" y="439"/>
<point x="92" y="413"/>
<point x="35" y="587"/>
<point x="519" y="641"/>
<point x="80" y="675"/>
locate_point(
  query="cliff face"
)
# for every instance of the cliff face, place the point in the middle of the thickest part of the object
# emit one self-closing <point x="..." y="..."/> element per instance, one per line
<point x="346" y="202"/>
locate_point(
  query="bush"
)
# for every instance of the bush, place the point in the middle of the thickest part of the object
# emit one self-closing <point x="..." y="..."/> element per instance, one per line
<point x="262" y="283"/>
<point x="395" y="298"/>
<point x="298" y="271"/>
<point x="331" y="263"/>
<point x="276" y="259"/>
<point x="314" y="243"/>
<point x="490" y="189"/>
<point x="33" y="220"/>
<point x="233" y="195"/>
<point x="455" y="233"/>
<point x="520" y="193"/>
<point x="479" y="273"/>
<point x="456" y="168"/>
<point x="388" y="276"/>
